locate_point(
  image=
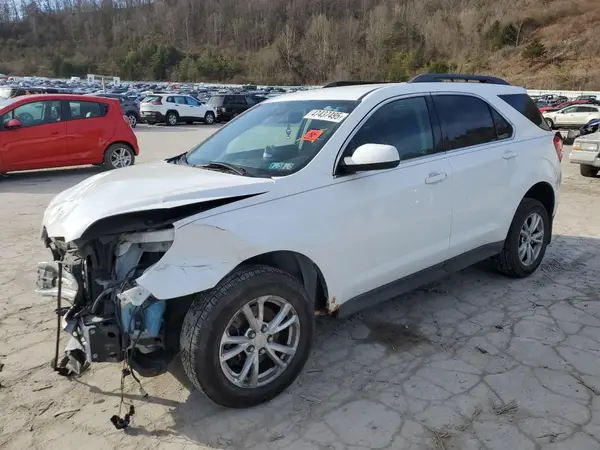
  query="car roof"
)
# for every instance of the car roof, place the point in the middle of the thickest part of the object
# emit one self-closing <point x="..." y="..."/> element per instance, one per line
<point x="37" y="97"/>
<point x="359" y="92"/>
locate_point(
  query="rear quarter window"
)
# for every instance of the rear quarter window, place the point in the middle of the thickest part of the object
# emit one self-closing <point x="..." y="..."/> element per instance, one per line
<point x="526" y="106"/>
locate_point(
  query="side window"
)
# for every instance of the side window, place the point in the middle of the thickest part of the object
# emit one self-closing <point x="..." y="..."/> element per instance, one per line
<point x="35" y="113"/>
<point x="526" y="106"/>
<point x="586" y="109"/>
<point x="503" y="129"/>
<point x="465" y="121"/>
<point x="229" y="100"/>
<point x="250" y="101"/>
<point x="570" y="109"/>
<point x="170" y="100"/>
<point x="404" y="124"/>
<point x="87" y="110"/>
<point x="192" y="101"/>
<point x="180" y="100"/>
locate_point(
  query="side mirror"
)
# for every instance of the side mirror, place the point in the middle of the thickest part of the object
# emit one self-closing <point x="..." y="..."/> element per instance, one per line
<point x="13" y="124"/>
<point x="371" y="157"/>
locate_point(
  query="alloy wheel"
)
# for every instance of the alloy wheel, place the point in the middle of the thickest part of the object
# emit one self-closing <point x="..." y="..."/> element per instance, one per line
<point x="531" y="239"/>
<point x="259" y="342"/>
<point x="121" y="157"/>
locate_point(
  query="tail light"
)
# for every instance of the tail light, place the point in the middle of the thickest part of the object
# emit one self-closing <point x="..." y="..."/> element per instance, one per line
<point x="558" y="146"/>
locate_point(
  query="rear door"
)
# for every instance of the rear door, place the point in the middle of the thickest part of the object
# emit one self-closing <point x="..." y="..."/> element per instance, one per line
<point x="584" y="114"/>
<point x="88" y="132"/>
<point x="183" y="109"/>
<point x="483" y="155"/>
<point x="39" y="143"/>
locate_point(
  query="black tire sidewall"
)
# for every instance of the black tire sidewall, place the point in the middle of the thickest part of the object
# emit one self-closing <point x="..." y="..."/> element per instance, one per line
<point x="107" y="161"/>
<point x="550" y="123"/>
<point x="527" y="207"/>
<point x="169" y="124"/>
<point x="206" y="359"/>
<point x="209" y="114"/>
<point x="129" y="116"/>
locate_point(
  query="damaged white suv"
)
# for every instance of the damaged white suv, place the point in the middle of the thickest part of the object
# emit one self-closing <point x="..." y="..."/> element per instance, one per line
<point x="323" y="201"/>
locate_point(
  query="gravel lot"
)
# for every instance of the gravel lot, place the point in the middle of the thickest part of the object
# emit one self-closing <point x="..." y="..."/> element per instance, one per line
<point x="477" y="361"/>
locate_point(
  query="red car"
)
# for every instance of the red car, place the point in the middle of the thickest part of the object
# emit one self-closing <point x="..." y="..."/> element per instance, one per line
<point x="54" y="130"/>
<point x="562" y="105"/>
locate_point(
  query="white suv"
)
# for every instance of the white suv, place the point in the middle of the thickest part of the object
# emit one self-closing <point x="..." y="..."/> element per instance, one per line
<point x="174" y="108"/>
<point x="573" y="116"/>
<point x="319" y="202"/>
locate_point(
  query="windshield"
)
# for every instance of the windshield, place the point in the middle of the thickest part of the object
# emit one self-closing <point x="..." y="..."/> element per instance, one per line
<point x="274" y="139"/>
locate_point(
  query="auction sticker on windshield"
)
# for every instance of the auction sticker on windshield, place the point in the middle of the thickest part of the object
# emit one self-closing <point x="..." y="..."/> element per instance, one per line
<point x="323" y="114"/>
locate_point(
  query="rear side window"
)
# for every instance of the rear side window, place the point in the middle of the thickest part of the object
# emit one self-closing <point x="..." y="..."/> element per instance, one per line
<point x="524" y="104"/>
<point x="87" y="110"/>
<point x="216" y="101"/>
<point x="465" y="121"/>
<point x="151" y="98"/>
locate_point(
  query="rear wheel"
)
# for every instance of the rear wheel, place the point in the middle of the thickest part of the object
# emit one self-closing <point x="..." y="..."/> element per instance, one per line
<point x="118" y="156"/>
<point x="132" y="120"/>
<point x="528" y="237"/>
<point x="588" y="171"/>
<point x="171" y="118"/>
<point x="246" y="340"/>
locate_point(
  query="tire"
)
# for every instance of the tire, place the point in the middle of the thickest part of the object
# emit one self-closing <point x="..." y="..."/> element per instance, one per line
<point x="171" y="119"/>
<point x="209" y="118"/>
<point x="118" y="156"/>
<point x="588" y="171"/>
<point x="211" y="315"/>
<point x="132" y="120"/>
<point x="550" y="123"/>
<point x="509" y="261"/>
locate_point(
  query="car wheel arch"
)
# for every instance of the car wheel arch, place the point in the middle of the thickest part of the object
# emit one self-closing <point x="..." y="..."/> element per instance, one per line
<point x="127" y="144"/>
<point x="302" y="268"/>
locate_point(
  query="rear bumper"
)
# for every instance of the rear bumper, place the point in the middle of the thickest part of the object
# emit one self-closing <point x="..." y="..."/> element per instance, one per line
<point x="588" y="158"/>
<point x="151" y="116"/>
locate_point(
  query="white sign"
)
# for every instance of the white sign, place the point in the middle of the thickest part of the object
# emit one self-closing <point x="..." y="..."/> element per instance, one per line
<point x="90" y="78"/>
<point x="328" y="115"/>
<point x="116" y="80"/>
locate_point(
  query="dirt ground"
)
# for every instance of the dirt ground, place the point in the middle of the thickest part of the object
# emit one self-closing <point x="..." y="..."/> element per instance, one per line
<point x="477" y="361"/>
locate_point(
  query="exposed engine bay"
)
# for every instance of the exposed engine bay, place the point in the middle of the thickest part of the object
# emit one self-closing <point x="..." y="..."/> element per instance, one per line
<point x="111" y="318"/>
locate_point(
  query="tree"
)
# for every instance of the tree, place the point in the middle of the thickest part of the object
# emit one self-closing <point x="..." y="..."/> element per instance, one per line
<point x="535" y="49"/>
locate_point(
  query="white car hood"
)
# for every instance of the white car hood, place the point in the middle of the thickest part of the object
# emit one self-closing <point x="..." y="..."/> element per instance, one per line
<point x="139" y="188"/>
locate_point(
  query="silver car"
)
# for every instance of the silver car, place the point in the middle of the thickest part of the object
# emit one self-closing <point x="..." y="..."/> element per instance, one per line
<point x="586" y="150"/>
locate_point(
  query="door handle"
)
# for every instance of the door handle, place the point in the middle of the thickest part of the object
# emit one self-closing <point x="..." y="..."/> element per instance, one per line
<point x="54" y="133"/>
<point x="509" y="155"/>
<point x="435" y="177"/>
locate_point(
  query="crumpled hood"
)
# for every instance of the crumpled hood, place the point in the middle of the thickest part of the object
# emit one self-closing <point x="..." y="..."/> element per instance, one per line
<point x="139" y="188"/>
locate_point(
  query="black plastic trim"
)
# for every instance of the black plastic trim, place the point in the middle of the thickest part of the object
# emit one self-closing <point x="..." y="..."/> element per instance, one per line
<point x="368" y="167"/>
<point x="453" y="77"/>
<point x="352" y="83"/>
<point x="396" y="288"/>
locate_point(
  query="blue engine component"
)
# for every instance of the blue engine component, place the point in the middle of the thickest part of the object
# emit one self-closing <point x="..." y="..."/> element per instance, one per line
<point x="146" y="318"/>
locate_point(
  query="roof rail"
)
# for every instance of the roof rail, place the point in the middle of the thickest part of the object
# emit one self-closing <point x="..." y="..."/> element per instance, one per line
<point x="352" y="83"/>
<point x="441" y="77"/>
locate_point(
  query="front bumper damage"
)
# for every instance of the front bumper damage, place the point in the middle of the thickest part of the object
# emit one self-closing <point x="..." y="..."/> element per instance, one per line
<point x="108" y="316"/>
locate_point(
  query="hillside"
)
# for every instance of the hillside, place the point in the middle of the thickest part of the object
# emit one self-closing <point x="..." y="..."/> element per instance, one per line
<point x="545" y="44"/>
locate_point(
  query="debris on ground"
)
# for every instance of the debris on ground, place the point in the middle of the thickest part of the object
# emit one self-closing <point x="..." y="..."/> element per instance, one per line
<point x="510" y="408"/>
<point x="67" y="412"/>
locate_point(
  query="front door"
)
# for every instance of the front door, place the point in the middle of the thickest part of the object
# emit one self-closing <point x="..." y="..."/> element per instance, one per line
<point x="39" y="142"/>
<point x="393" y="223"/>
<point x="483" y="157"/>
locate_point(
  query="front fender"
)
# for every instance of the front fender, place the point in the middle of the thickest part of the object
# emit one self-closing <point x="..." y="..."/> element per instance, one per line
<point x="200" y="256"/>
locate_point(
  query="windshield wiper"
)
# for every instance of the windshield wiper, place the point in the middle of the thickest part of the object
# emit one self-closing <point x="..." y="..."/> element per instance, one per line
<point x="221" y="165"/>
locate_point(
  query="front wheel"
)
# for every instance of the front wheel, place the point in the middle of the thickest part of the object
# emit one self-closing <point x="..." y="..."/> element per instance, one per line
<point x="588" y="171"/>
<point x="550" y="123"/>
<point x="246" y="340"/>
<point x="528" y="237"/>
<point x="118" y="156"/>
<point x="209" y="118"/>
